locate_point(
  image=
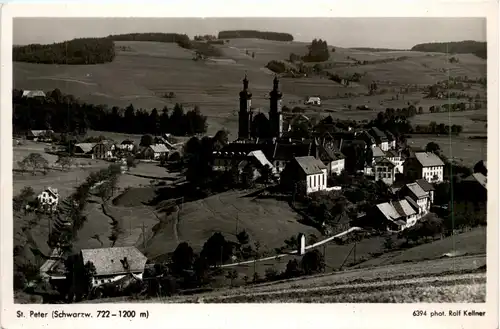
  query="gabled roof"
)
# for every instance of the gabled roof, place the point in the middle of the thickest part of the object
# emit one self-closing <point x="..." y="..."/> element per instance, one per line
<point x="159" y="148"/>
<point x="86" y="147"/>
<point x="390" y="136"/>
<point x="385" y="161"/>
<point x="261" y="158"/>
<point x="396" y="210"/>
<point x="37" y="133"/>
<point x="377" y="152"/>
<point x="477" y="177"/>
<point x="417" y="190"/>
<point x="127" y="142"/>
<point x="327" y="154"/>
<point x="428" y="159"/>
<point x="286" y="152"/>
<point x="425" y="185"/>
<point x="108" y="261"/>
<point x="412" y="203"/>
<point x="310" y="165"/>
<point x="379" y="134"/>
<point x="392" y="154"/>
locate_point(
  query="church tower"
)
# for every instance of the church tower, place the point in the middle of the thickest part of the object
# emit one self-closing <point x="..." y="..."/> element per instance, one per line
<point x="275" y="114"/>
<point x="245" y="113"/>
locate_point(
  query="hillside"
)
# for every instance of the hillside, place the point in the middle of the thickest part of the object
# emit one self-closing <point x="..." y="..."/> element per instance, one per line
<point x="142" y="72"/>
<point x="246" y="34"/>
<point x="463" y="47"/>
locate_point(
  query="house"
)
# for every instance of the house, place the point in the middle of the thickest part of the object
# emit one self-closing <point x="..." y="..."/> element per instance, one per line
<point x="309" y="171"/>
<point x="391" y="139"/>
<point x="378" y="154"/>
<point x="112" y="264"/>
<point x="418" y="195"/>
<point x="393" y="215"/>
<point x="333" y="160"/>
<point x="155" y="151"/>
<point x="380" y="138"/>
<point x="258" y="160"/>
<point x="367" y="138"/>
<point x="33" y="93"/>
<point x="385" y="171"/>
<point x="480" y="167"/>
<point x="83" y="148"/>
<point x="396" y="158"/>
<point x="103" y="150"/>
<point x="40" y="135"/>
<point x="48" y="199"/>
<point x="126" y="145"/>
<point x="427" y="187"/>
<point x="474" y="186"/>
<point x="424" y="165"/>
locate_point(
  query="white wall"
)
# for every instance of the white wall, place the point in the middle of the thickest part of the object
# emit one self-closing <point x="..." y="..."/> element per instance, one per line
<point x="97" y="281"/>
<point x="429" y="172"/>
<point x="384" y="146"/>
<point x="337" y="166"/>
<point x="316" y="182"/>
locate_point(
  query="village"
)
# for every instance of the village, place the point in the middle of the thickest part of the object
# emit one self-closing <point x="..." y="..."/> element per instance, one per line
<point x="323" y="170"/>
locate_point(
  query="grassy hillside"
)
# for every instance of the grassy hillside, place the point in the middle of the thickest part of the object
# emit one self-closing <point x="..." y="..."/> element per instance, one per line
<point x="144" y="71"/>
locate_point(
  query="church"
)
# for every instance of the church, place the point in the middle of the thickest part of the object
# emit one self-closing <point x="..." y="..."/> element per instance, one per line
<point x="246" y="115"/>
<point x="277" y="148"/>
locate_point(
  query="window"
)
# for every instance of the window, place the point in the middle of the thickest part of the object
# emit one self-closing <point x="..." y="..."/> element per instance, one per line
<point x="314" y="181"/>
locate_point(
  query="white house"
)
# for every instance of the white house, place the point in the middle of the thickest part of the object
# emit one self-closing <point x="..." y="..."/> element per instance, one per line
<point x="112" y="264"/>
<point x="308" y="170"/>
<point x="395" y="215"/>
<point x="126" y="145"/>
<point x="380" y="138"/>
<point x="427" y="187"/>
<point x="424" y="165"/>
<point x="332" y="159"/>
<point x="419" y="196"/>
<point x="155" y="151"/>
<point x="48" y="199"/>
<point x="396" y="158"/>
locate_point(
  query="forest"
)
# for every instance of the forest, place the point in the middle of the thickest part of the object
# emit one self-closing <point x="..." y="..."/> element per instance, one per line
<point x="65" y="114"/>
<point x="247" y="34"/>
<point x="463" y="47"/>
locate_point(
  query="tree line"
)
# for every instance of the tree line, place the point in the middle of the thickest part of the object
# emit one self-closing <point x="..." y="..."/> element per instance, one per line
<point x="462" y="47"/>
<point x="246" y="34"/>
<point x="65" y="114"/>
<point x="74" y="52"/>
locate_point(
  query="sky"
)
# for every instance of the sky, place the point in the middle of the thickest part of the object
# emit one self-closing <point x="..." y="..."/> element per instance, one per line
<point x="395" y="33"/>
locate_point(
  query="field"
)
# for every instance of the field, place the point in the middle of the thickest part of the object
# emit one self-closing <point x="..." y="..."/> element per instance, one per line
<point x="461" y="149"/>
<point x="142" y="75"/>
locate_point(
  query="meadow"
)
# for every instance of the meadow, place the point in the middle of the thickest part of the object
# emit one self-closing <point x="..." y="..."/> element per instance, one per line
<point x="147" y="70"/>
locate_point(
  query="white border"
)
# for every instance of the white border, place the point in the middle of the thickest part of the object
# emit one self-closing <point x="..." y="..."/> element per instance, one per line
<point x="266" y="315"/>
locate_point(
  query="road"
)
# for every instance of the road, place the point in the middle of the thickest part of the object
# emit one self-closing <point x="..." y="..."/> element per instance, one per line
<point x="317" y="244"/>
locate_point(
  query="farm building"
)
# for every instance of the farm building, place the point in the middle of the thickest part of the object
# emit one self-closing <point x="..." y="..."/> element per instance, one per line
<point x="418" y="195"/>
<point x="155" y="151"/>
<point x="381" y="139"/>
<point x="424" y="165"/>
<point x="84" y="148"/>
<point x="392" y="216"/>
<point x="103" y="150"/>
<point x="112" y="264"/>
<point x="33" y="93"/>
<point x="40" y="135"/>
<point x="126" y="145"/>
<point x="309" y="171"/>
<point x="427" y="187"/>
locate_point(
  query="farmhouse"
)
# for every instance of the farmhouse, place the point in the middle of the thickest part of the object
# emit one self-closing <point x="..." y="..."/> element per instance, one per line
<point x="418" y="195"/>
<point x="83" y="148"/>
<point x="40" y="135"/>
<point x="333" y="160"/>
<point x="381" y="139"/>
<point x="112" y="264"/>
<point x="424" y="165"/>
<point x="307" y="170"/>
<point x="393" y="215"/>
<point x="155" y="151"/>
<point x="396" y="158"/>
<point x="48" y="199"/>
<point x="33" y="93"/>
<point x="103" y="150"/>
<point x="427" y="187"/>
<point x="126" y="145"/>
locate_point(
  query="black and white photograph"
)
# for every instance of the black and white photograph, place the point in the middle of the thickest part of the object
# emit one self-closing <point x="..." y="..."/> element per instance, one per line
<point x="257" y="160"/>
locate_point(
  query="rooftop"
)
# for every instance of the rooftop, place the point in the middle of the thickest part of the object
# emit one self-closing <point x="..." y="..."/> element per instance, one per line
<point x="159" y="148"/>
<point x="428" y="159"/>
<point x="425" y="185"/>
<point x="477" y="177"/>
<point x="395" y="210"/>
<point x="117" y="260"/>
<point x="417" y="190"/>
<point x="310" y="165"/>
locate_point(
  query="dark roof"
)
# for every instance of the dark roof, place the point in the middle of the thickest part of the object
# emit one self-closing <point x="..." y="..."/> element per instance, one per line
<point x="287" y="152"/>
<point x="390" y="136"/>
<point x="109" y="261"/>
<point x="127" y="142"/>
<point x="385" y="161"/>
<point x="412" y="203"/>
<point x="310" y="165"/>
<point x="477" y="178"/>
<point x="365" y="136"/>
<point x="392" y="153"/>
<point x="379" y="134"/>
<point x="416" y="190"/>
<point x="328" y="154"/>
<point x="425" y="185"/>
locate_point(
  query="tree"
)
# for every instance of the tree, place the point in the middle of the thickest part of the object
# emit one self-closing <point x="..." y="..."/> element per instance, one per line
<point x="64" y="161"/>
<point x="432" y="147"/>
<point x="232" y="275"/>
<point x="312" y="262"/>
<point x="242" y="237"/>
<point x="130" y="162"/>
<point x="271" y="273"/>
<point x="292" y="269"/>
<point x="220" y="139"/>
<point x="146" y="140"/>
<point x="26" y="195"/>
<point x="216" y="250"/>
<point x="183" y="257"/>
<point x="35" y="161"/>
